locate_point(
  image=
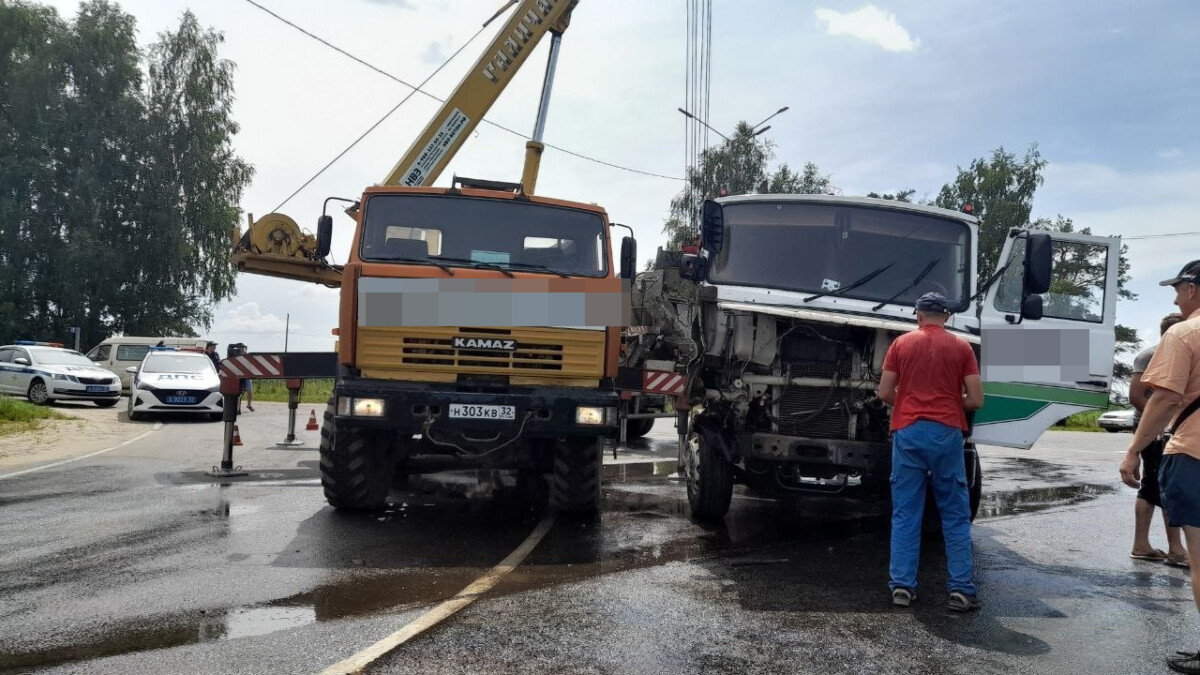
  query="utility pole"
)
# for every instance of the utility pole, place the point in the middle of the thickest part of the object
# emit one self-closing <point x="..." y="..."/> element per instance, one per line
<point x="287" y="328"/>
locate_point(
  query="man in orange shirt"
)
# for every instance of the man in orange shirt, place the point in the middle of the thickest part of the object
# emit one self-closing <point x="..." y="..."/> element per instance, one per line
<point x="924" y="376"/>
<point x="1174" y="374"/>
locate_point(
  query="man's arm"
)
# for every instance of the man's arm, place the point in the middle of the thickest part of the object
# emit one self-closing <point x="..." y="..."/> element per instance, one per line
<point x="1139" y="393"/>
<point x="1161" y="408"/>
<point x="973" y="400"/>
<point x="887" y="386"/>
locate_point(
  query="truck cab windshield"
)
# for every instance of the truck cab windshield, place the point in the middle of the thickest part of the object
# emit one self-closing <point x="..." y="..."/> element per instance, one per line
<point x="484" y="233"/>
<point x="821" y="248"/>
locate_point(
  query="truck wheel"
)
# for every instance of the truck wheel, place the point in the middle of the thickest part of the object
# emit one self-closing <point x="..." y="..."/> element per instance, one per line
<point x="575" y="481"/>
<point x="976" y="494"/>
<point x="638" y="428"/>
<point x="356" y="469"/>
<point x="709" y="481"/>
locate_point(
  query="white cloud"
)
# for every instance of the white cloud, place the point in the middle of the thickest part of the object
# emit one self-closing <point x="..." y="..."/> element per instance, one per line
<point x="437" y="52"/>
<point x="868" y="23"/>
<point x="249" y="318"/>
<point x="1171" y="154"/>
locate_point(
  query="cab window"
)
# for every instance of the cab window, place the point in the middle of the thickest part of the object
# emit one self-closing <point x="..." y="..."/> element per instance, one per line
<point x="21" y="354"/>
<point x="1076" y="282"/>
<point x="132" y="352"/>
<point x="100" y="353"/>
<point x="6" y="354"/>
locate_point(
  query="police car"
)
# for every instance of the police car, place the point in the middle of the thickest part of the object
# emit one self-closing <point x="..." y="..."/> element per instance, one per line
<point x="177" y="381"/>
<point x="45" y="372"/>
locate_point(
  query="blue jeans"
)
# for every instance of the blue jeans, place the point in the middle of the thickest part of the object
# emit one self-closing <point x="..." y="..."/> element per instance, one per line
<point x="934" y="450"/>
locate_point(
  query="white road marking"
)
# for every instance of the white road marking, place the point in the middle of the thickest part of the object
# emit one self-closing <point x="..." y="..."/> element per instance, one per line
<point x="156" y="427"/>
<point x="360" y="661"/>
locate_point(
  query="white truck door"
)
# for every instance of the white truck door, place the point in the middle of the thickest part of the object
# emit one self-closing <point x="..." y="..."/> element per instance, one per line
<point x="1037" y="371"/>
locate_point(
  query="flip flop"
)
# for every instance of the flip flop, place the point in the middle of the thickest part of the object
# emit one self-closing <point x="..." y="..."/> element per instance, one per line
<point x="1154" y="556"/>
<point x="1180" y="561"/>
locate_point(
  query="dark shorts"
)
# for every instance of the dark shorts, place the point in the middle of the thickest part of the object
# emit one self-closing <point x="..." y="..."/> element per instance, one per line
<point x="1179" y="482"/>
<point x="248" y="385"/>
<point x="1151" y="461"/>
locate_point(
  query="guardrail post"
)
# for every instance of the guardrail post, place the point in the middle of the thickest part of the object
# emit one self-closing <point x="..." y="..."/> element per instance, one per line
<point x="293" y="386"/>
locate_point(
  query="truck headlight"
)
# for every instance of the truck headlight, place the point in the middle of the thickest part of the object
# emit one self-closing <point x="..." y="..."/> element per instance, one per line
<point x="359" y="407"/>
<point x="593" y="415"/>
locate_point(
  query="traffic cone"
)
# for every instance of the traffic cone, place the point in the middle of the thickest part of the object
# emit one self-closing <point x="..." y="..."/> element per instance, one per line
<point x="312" y="422"/>
<point x="237" y="438"/>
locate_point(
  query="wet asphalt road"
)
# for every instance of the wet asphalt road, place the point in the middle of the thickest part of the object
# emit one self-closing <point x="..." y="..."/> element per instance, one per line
<point x="134" y="562"/>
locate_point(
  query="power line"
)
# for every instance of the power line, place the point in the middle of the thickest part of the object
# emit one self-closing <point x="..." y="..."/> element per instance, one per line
<point x="1163" y="236"/>
<point x="417" y="89"/>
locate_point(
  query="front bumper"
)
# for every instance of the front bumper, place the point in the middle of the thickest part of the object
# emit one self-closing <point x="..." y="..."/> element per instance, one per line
<point x="864" y="458"/>
<point x="75" y="391"/>
<point x="542" y="412"/>
<point x="203" y="402"/>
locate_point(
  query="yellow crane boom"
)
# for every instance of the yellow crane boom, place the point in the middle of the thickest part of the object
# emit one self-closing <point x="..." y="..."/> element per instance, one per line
<point x="275" y="245"/>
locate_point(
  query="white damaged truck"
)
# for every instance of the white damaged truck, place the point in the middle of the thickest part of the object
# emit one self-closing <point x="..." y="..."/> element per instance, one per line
<point x="782" y="320"/>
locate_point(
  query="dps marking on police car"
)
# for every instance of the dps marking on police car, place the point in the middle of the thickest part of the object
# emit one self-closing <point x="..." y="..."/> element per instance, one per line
<point x="490" y="344"/>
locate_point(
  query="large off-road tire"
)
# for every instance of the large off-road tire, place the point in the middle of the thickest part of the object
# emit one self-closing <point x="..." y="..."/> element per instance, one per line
<point x="575" y="479"/>
<point x="356" y="466"/>
<point x="709" y="480"/>
<point x="39" y="393"/>
<point x="638" y="428"/>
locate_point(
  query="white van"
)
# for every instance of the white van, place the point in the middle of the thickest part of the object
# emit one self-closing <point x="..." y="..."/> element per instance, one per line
<point x="118" y="353"/>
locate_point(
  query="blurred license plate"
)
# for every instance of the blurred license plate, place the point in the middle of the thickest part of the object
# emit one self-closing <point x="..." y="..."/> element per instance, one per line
<point x="100" y="389"/>
<point x="186" y="400"/>
<point x="482" y="412"/>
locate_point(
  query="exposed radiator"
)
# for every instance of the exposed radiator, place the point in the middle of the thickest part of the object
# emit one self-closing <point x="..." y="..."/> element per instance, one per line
<point x="797" y="404"/>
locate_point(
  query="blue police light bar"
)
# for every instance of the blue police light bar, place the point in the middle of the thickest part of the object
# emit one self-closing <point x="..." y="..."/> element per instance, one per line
<point x="164" y="349"/>
<point x="24" y="342"/>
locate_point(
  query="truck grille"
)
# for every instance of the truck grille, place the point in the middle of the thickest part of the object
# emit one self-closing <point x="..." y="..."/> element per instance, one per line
<point x="798" y="402"/>
<point x="539" y="351"/>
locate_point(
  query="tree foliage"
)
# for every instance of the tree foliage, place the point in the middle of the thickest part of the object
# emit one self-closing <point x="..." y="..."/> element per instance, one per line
<point x="738" y="166"/>
<point x="1001" y="188"/>
<point x="118" y="183"/>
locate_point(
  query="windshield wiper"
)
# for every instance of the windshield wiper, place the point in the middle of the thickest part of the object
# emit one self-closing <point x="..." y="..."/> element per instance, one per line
<point x="426" y="261"/>
<point x="539" y="267"/>
<point x="920" y="277"/>
<point x="474" y="263"/>
<point x="842" y="289"/>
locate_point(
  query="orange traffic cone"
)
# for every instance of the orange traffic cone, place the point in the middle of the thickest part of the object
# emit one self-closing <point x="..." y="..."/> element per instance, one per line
<point x="312" y="422"/>
<point x="237" y="438"/>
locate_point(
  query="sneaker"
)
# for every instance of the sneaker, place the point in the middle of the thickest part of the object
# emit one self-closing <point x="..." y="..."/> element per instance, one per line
<point x="1184" y="662"/>
<point x="902" y="597"/>
<point x="963" y="602"/>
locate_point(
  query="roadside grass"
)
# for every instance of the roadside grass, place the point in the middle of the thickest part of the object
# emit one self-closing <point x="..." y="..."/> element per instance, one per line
<point x="1084" y="421"/>
<point x="18" y="416"/>
<point x="313" y="391"/>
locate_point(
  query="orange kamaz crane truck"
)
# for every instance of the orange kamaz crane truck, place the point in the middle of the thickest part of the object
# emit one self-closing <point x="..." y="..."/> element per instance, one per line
<point x="479" y="323"/>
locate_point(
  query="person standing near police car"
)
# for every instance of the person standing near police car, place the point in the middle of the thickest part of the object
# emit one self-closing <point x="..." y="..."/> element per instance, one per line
<point x="924" y="378"/>
<point x="1174" y="375"/>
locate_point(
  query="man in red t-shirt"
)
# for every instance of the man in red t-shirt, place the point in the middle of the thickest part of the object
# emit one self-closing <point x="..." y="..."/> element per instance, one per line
<point x="925" y="375"/>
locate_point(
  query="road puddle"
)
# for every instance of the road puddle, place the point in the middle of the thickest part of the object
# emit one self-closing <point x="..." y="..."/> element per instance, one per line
<point x="639" y="471"/>
<point x="1030" y="500"/>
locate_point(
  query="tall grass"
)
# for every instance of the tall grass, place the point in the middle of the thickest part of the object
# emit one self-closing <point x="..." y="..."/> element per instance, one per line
<point x="17" y="416"/>
<point x="313" y="391"/>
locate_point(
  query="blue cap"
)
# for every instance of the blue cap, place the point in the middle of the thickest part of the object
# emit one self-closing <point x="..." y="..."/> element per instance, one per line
<point x="933" y="302"/>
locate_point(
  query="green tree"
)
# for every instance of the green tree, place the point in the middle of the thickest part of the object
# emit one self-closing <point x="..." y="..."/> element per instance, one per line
<point x="118" y="190"/>
<point x="738" y="166"/>
<point x="899" y="196"/>
<point x="1001" y="189"/>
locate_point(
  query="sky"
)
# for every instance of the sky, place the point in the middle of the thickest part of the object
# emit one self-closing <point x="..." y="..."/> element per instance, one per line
<point x="882" y="96"/>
